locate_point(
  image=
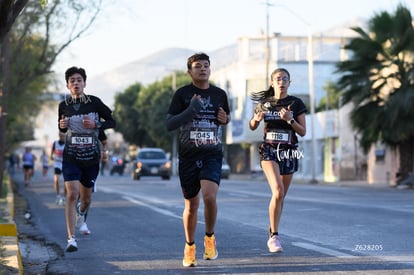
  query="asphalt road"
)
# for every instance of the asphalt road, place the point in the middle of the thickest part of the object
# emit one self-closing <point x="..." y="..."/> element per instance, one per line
<point x="137" y="229"/>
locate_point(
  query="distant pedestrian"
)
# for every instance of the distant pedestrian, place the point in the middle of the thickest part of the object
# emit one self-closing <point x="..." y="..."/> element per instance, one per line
<point x="81" y="117"/>
<point x="199" y="110"/>
<point x="13" y="163"/>
<point x="57" y="158"/>
<point x="284" y="117"/>
<point x="104" y="151"/>
<point x="28" y="162"/>
<point x="44" y="158"/>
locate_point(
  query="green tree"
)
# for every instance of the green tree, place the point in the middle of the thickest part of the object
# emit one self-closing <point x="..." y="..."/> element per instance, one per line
<point x="153" y="104"/>
<point x="331" y="99"/>
<point x="127" y="116"/>
<point x="379" y="80"/>
<point x="140" y="112"/>
<point x="26" y="88"/>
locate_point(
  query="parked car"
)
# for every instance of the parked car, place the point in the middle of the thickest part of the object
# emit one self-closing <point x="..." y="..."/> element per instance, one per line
<point x="225" y="170"/>
<point x="151" y="162"/>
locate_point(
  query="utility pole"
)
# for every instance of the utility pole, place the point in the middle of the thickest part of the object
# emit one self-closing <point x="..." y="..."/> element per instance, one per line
<point x="267" y="41"/>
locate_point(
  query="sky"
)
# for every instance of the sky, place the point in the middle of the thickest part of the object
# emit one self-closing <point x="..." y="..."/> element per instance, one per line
<point x="128" y="30"/>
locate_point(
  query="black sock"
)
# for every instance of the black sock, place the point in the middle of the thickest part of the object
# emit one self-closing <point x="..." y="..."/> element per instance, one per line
<point x="191" y="243"/>
<point x="273" y="233"/>
<point x="209" y="234"/>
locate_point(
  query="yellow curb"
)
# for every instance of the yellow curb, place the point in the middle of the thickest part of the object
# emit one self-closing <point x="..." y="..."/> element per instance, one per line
<point x="8" y="229"/>
<point x="8" y="235"/>
<point x="11" y="254"/>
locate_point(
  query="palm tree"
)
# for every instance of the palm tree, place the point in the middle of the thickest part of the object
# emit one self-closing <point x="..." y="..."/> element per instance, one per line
<point x="379" y="80"/>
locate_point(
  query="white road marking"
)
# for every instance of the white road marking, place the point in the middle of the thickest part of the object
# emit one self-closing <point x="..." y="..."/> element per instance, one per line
<point x="323" y="250"/>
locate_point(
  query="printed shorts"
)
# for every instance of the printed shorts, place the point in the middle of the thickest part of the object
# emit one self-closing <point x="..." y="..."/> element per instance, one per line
<point x="191" y="172"/>
<point x="86" y="175"/>
<point x="285" y="157"/>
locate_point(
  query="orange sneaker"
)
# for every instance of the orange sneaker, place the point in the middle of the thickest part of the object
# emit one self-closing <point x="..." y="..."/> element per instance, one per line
<point x="210" y="250"/>
<point x="189" y="255"/>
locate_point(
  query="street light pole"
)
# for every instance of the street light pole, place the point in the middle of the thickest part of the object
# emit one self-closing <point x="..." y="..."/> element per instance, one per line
<point x="312" y="103"/>
<point x="267" y="41"/>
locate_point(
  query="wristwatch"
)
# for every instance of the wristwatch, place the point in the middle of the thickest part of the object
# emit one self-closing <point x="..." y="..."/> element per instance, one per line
<point x="291" y="121"/>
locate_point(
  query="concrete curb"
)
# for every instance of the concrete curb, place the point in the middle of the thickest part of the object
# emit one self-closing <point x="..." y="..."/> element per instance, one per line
<point x="8" y="235"/>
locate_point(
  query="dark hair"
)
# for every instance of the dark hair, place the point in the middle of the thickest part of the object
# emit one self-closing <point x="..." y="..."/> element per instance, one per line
<point x="262" y="95"/>
<point x="75" y="70"/>
<point x="278" y="71"/>
<point x="197" y="57"/>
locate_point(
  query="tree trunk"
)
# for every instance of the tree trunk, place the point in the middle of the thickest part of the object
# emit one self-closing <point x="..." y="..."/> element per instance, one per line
<point x="406" y="150"/>
<point x="4" y="98"/>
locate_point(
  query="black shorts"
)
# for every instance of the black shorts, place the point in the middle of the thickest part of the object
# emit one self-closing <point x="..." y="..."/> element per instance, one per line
<point x="191" y="172"/>
<point x="28" y="167"/>
<point x="86" y="175"/>
<point x="287" y="158"/>
<point x="58" y="171"/>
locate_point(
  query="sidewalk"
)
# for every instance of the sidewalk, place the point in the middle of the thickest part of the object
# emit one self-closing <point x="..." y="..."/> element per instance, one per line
<point x="26" y="250"/>
<point x="11" y="262"/>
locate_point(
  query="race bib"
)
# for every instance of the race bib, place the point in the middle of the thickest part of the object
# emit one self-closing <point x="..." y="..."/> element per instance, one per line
<point x="82" y="149"/>
<point x="58" y="155"/>
<point x="204" y="136"/>
<point x="279" y="136"/>
<point x="82" y="140"/>
<point x="200" y="134"/>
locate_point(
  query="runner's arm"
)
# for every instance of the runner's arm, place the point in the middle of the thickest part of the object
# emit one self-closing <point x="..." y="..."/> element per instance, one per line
<point x="175" y="121"/>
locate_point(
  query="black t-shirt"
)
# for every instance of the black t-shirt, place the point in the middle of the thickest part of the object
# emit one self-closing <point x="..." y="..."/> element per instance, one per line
<point x="277" y="130"/>
<point x="82" y="144"/>
<point x="202" y="135"/>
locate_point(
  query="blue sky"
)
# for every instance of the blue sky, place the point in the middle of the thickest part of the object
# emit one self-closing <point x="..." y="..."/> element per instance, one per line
<point x="132" y="29"/>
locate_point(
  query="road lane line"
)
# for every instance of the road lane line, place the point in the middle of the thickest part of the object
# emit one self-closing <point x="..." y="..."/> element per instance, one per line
<point x="153" y="208"/>
<point x="148" y="202"/>
<point x="323" y="250"/>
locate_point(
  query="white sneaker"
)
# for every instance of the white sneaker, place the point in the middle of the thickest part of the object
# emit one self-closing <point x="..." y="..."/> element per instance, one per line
<point x="274" y="244"/>
<point x="72" y="246"/>
<point x="60" y="200"/>
<point x="83" y="229"/>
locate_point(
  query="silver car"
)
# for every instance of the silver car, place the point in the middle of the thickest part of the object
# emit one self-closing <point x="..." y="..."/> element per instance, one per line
<point x="151" y="162"/>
